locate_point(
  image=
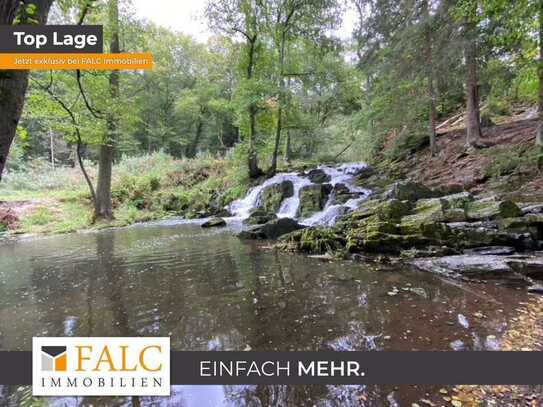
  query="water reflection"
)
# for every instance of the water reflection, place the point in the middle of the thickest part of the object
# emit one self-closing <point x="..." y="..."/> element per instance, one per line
<point x="210" y="291"/>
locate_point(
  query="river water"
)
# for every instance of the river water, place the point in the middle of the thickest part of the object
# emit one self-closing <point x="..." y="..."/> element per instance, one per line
<point x="208" y="290"/>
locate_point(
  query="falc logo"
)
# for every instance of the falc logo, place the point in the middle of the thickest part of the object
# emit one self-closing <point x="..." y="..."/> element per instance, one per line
<point x="101" y="366"/>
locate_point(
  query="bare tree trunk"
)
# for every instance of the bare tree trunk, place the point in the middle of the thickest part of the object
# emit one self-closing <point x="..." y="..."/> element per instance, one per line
<point x="430" y="79"/>
<point x="280" y="102"/>
<point x="192" y="149"/>
<point x="104" y="209"/>
<point x="13" y="84"/>
<point x="254" y="171"/>
<point x="539" y="137"/>
<point x="473" y="118"/>
<point x="288" y="147"/>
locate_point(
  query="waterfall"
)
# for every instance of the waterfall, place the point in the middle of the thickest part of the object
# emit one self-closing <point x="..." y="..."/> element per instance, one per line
<point x="344" y="175"/>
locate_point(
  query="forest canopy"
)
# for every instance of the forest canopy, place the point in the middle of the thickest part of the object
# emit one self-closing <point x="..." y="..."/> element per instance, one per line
<point x="275" y="83"/>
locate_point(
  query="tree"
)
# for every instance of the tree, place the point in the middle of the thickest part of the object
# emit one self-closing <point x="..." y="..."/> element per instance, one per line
<point x="243" y="17"/>
<point x="428" y="37"/>
<point x="539" y="137"/>
<point x="104" y="208"/>
<point x="289" y="20"/>
<point x="13" y="84"/>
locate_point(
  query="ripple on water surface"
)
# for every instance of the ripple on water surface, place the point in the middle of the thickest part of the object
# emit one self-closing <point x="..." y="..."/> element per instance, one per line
<point x="210" y="291"/>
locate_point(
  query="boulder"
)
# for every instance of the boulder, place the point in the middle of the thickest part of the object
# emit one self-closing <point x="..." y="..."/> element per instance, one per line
<point x="409" y="191"/>
<point x="271" y="230"/>
<point x="510" y="267"/>
<point x="491" y="208"/>
<point x="491" y="251"/>
<point x="343" y="194"/>
<point x="214" y="222"/>
<point x="474" y="266"/>
<point x="259" y="217"/>
<point x="318" y="176"/>
<point x="313" y="198"/>
<point x="532" y="208"/>
<point x="313" y="241"/>
<point x="393" y="209"/>
<point x="273" y="196"/>
<point x="530" y="266"/>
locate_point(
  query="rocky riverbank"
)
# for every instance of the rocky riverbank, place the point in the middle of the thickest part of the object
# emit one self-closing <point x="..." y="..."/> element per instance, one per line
<point x="456" y="234"/>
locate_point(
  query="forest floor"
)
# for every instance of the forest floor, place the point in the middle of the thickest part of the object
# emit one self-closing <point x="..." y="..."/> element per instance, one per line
<point x="507" y="165"/>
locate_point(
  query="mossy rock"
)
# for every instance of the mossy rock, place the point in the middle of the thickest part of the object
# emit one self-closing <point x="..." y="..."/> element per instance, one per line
<point x="427" y="211"/>
<point x="409" y="191"/>
<point x="478" y="234"/>
<point x="271" y="230"/>
<point x="393" y="209"/>
<point x="532" y="224"/>
<point x="365" y="210"/>
<point x="214" y="223"/>
<point x="314" y="241"/>
<point x="392" y="243"/>
<point x="459" y="200"/>
<point x="491" y="208"/>
<point x="313" y="198"/>
<point x="259" y="217"/>
<point x="273" y="196"/>
<point x="318" y="176"/>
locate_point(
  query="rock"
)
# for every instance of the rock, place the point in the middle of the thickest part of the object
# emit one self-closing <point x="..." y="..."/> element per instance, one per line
<point x="366" y="209"/>
<point x="318" y="176"/>
<point x="491" y="251"/>
<point x="530" y="223"/>
<point x="313" y="198"/>
<point x="288" y="189"/>
<point x="490" y="208"/>
<point x="273" y="196"/>
<point x="271" y="230"/>
<point x="480" y="234"/>
<point x="214" y="222"/>
<point x="430" y="251"/>
<point x="409" y="191"/>
<point x="259" y="217"/>
<point x="459" y="200"/>
<point x="488" y="267"/>
<point x="530" y="266"/>
<point x="529" y="209"/>
<point x="313" y="240"/>
<point x="364" y="172"/>
<point x="393" y="209"/>
<point x="343" y="194"/>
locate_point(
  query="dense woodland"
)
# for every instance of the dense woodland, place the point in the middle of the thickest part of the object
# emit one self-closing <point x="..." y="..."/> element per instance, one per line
<point x="274" y="85"/>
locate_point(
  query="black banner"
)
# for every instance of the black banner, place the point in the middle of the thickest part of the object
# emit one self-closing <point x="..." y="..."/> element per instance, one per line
<point x="329" y="368"/>
<point x="51" y="39"/>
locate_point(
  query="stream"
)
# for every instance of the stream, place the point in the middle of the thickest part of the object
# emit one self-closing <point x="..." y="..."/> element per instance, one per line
<point x="208" y="290"/>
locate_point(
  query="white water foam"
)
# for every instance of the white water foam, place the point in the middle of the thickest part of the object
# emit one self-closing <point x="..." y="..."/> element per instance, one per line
<point x="344" y="174"/>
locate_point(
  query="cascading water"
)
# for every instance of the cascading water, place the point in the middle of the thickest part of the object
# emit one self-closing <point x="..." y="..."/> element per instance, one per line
<point x="341" y="176"/>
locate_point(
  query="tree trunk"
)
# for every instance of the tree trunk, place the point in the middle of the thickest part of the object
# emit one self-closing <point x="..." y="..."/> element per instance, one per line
<point x="430" y="79"/>
<point x="287" y="149"/>
<point x="473" y="119"/>
<point x="539" y="137"/>
<point x="252" y="158"/>
<point x="280" y="101"/>
<point x="191" y="151"/>
<point x="104" y="209"/>
<point x="13" y="84"/>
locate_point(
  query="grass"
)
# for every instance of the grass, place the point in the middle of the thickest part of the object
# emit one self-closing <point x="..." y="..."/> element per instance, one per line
<point x="144" y="188"/>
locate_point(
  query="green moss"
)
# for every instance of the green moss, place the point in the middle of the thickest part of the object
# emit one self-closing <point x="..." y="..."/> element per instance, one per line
<point x="313" y="199"/>
<point x="272" y="198"/>
<point x="313" y="240"/>
<point x="393" y="209"/>
<point x="492" y="209"/>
